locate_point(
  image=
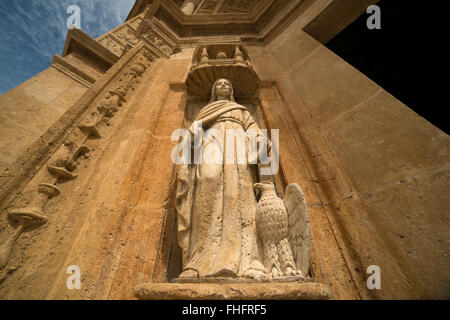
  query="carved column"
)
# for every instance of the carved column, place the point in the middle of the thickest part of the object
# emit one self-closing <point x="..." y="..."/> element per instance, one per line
<point x="189" y="7"/>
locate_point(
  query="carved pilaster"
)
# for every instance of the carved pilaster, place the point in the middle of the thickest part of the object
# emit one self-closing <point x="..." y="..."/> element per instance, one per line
<point x="113" y="45"/>
<point x="155" y="35"/>
<point x="127" y="35"/>
<point x="144" y="27"/>
<point x="28" y="211"/>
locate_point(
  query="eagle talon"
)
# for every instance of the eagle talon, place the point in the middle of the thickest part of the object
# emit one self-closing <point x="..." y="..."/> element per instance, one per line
<point x="275" y="273"/>
<point x="293" y="272"/>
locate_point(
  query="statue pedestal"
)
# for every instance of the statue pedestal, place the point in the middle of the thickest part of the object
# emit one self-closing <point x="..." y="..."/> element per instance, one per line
<point x="218" y="289"/>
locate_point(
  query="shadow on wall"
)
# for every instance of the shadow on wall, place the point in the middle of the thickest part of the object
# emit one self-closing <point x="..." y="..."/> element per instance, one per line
<point x="398" y="57"/>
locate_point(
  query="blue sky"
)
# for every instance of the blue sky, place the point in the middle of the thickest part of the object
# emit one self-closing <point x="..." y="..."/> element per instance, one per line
<point x="32" y="31"/>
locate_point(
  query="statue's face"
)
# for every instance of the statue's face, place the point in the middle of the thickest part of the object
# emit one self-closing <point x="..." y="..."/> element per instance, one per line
<point x="223" y="88"/>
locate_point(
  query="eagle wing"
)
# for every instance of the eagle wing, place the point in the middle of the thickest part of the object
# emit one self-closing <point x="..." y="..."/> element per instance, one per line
<point x="299" y="234"/>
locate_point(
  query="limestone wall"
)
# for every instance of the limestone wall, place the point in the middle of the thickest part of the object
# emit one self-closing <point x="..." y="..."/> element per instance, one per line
<point x="28" y="110"/>
<point x="374" y="173"/>
<point x="380" y="171"/>
<point x="111" y="220"/>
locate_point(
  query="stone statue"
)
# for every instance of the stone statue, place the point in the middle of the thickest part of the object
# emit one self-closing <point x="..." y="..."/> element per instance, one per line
<point x="217" y="207"/>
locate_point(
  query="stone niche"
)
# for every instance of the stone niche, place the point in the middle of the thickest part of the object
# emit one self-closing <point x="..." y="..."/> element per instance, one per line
<point x="211" y="62"/>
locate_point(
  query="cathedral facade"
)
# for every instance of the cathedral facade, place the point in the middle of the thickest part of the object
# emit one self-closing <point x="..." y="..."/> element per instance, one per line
<point x="89" y="185"/>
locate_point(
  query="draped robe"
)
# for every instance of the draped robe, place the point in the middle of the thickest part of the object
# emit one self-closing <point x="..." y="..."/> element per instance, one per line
<point x="216" y="204"/>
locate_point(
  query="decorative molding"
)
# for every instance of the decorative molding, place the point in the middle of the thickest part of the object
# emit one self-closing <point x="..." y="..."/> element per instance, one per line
<point x="135" y="23"/>
<point x="259" y="26"/>
<point x="143" y="27"/>
<point x="126" y="35"/>
<point x="27" y="210"/>
<point x="272" y="32"/>
<point x="81" y="43"/>
<point x="90" y="53"/>
<point x="113" y="44"/>
<point x="71" y="71"/>
<point x="156" y="35"/>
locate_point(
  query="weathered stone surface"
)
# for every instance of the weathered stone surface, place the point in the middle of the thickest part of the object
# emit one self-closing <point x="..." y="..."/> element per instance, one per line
<point x="374" y="174"/>
<point x="361" y="144"/>
<point x="28" y="110"/>
<point x="235" y="291"/>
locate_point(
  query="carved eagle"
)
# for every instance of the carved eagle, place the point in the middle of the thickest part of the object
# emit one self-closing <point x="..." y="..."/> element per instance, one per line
<point x="283" y="227"/>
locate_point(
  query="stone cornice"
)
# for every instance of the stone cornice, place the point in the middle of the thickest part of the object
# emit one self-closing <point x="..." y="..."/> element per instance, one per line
<point x="138" y="7"/>
<point x="259" y="26"/>
<point x="79" y="41"/>
<point x="90" y="59"/>
<point x="251" y="17"/>
<point x="72" y="71"/>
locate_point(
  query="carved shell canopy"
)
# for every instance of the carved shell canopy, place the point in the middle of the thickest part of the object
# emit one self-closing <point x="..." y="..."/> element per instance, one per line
<point x="214" y="49"/>
<point x="229" y="61"/>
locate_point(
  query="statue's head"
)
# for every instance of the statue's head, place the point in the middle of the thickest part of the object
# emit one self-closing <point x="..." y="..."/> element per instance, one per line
<point x="222" y="89"/>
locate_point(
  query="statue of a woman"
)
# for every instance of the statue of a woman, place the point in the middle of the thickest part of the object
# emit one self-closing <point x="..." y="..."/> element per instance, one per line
<point x="215" y="201"/>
